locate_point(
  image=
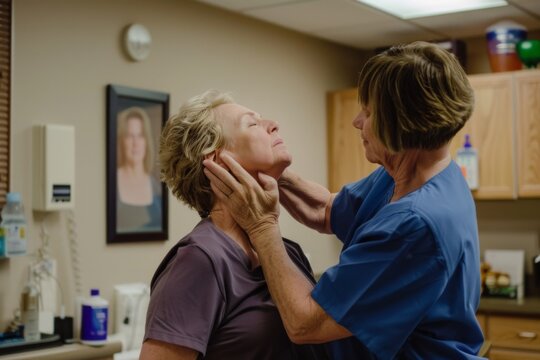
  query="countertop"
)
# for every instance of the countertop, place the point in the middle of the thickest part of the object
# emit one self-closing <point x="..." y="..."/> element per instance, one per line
<point x="69" y="352"/>
<point x="526" y="306"/>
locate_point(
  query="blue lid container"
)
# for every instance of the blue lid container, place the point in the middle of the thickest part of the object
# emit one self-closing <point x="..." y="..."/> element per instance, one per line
<point x="502" y="38"/>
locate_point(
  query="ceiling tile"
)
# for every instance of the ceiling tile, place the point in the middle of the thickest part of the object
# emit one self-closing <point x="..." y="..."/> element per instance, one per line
<point x="242" y="5"/>
<point x="530" y="5"/>
<point x="376" y="35"/>
<point x="310" y="16"/>
<point x="353" y="24"/>
<point x="475" y="23"/>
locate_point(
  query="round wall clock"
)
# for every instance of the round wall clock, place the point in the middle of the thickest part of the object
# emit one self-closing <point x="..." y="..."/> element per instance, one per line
<point x="137" y="41"/>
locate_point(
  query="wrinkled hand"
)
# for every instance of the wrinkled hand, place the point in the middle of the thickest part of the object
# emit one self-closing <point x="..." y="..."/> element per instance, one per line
<point x="253" y="204"/>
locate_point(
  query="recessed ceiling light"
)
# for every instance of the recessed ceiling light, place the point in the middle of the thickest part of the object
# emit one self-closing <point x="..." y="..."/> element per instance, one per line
<point x="408" y="9"/>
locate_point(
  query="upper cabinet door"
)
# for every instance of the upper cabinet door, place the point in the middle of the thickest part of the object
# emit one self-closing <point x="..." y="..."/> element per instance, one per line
<point x="492" y="134"/>
<point x="528" y="132"/>
<point x="504" y="128"/>
<point x="346" y="160"/>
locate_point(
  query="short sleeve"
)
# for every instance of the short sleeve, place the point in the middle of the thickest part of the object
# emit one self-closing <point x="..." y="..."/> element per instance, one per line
<point x="385" y="282"/>
<point x="348" y="201"/>
<point x="294" y="250"/>
<point x="187" y="302"/>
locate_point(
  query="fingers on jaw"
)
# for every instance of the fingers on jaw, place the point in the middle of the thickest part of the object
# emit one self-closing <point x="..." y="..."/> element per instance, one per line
<point x="217" y="184"/>
<point x="235" y="169"/>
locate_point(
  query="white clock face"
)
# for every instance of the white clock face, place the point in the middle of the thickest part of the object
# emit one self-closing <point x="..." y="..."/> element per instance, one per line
<point x="138" y="41"/>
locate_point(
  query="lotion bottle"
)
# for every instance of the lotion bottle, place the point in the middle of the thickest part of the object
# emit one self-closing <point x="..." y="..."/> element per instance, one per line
<point x="94" y="316"/>
<point x="467" y="160"/>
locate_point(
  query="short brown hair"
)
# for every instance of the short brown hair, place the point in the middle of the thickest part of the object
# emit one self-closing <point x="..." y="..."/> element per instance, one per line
<point x="186" y="139"/>
<point x="124" y="116"/>
<point x="418" y="95"/>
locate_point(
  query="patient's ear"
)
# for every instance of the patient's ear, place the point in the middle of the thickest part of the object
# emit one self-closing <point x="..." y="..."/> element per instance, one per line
<point x="214" y="156"/>
<point x="211" y="156"/>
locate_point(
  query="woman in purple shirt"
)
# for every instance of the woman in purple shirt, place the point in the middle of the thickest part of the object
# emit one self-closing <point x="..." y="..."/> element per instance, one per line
<point x="209" y="297"/>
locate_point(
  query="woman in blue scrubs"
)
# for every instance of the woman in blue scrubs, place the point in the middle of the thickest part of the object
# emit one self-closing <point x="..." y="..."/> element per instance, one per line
<point x="407" y="284"/>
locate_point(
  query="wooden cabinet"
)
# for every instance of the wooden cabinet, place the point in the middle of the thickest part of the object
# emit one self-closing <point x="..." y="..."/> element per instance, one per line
<point x="497" y="354"/>
<point x="528" y="132"/>
<point x="346" y="160"/>
<point x="512" y="337"/>
<point x="504" y="127"/>
<point x="491" y="130"/>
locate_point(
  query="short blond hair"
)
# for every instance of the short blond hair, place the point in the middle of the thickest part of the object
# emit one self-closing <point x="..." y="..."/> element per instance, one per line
<point x="418" y="95"/>
<point x="124" y="116"/>
<point x="186" y="139"/>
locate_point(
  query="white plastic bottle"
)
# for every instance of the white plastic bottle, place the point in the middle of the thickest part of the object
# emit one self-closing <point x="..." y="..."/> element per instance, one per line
<point x="94" y="316"/>
<point x="30" y="310"/>
<point x="467" y="159"/>
<point x="14" y="225"/>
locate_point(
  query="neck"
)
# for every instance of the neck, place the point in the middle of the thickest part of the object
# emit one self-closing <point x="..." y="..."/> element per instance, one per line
<point x="223" y="220"/>
<point x="133" y="169"/>
<point x="411" y="169"/>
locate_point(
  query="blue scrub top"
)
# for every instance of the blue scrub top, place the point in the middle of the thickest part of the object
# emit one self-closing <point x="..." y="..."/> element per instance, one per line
<point x="408" y="280"/>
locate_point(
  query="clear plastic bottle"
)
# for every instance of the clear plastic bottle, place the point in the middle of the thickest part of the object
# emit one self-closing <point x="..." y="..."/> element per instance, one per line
<point x="94" y="316"/>
<point x="30" y="310"/>
<point x="467" y="159"/>
<point x="14" y="225"/>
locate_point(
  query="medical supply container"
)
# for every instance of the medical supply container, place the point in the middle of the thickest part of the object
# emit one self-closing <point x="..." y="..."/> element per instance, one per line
<point x="502" y="38"/>
<point x="94" y="316"/>
<point x="30" y="310"/>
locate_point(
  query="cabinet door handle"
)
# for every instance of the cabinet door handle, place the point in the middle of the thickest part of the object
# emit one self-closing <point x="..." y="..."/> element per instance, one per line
<point x="527" y="335"/>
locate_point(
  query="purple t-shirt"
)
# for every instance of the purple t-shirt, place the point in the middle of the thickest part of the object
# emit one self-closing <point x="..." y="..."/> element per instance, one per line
<point x="206" y="297"/>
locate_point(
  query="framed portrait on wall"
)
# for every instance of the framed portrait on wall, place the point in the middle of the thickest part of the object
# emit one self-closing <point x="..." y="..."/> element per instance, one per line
<point x="137" y="207"/>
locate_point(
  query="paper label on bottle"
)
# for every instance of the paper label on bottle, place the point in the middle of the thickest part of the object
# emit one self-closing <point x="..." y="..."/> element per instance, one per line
<point x="30" y="320"/>
<point x="94" y="323"/>
<point x="468" y="164"/>
<point x="15" y="239"/>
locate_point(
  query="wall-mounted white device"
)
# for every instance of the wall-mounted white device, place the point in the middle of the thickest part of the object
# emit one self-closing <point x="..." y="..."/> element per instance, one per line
<point x="54" y="167"/>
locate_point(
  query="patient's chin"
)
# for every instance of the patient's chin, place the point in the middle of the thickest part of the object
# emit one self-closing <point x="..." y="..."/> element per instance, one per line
<point x="278" y="169"/>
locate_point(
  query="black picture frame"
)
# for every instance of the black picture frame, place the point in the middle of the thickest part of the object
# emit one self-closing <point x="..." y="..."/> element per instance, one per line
<point x="128" y="220"/>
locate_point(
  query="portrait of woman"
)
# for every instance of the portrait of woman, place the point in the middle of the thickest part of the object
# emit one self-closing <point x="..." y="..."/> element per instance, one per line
<point x="138" y="200"/>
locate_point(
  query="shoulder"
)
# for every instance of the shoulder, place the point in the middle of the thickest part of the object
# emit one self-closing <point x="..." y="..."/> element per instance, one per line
<point x="371" y="187"/>
<point x="208" y="239"/>
<point x="373" y="179"/>
<point x="297" y="255"/>
<point x="399" y="225"/>
<point x="446" y="204"/>
<point x="197" y="251"/>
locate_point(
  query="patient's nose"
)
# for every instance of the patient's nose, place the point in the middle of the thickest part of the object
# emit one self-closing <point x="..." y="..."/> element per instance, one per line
<point x="272" y="126"/>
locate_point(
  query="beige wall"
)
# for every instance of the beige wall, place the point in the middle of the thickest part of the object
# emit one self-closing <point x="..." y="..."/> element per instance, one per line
<point x="64" y="54"/>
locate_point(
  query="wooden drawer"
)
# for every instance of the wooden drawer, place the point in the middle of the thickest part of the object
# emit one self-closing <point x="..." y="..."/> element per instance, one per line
<point x="514" y="333"/>
<point x="498" y="354"/>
